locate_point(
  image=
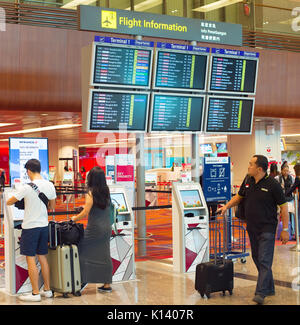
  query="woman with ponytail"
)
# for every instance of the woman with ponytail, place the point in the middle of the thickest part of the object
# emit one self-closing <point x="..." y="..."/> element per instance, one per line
<point x="94" y="248"/>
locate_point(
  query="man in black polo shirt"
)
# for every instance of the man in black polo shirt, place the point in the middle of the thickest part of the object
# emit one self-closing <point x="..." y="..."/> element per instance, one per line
<point x="262" y="195"/>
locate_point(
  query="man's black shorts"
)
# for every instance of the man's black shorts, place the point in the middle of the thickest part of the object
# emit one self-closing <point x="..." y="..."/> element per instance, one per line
<point x="34" y="241"/>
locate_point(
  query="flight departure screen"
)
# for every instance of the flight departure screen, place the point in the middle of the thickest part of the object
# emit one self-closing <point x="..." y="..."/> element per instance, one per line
<point x="176" y="113"/>
<point x="184" y="71"/>
<point x="229" y="115"/>
<point x="122" y="66"/>
<point x="118" y="111"/>
<point x="236" y="75"/>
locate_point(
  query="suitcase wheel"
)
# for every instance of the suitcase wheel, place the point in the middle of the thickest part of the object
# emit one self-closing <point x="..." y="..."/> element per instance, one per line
<point x="77" y="293"/>
<point x="65" y="295"/>
<point x="201" y="293"/>
<point x="223" y="292"/>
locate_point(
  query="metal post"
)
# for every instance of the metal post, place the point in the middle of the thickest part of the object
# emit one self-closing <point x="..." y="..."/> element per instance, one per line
<point x="195" y="170"/>
<point x="140" y="194"/>
<point x="140" y="190"/>
<point x="195" y="159"/>
<point x="2" y="212"/>
<point x="297" y="247"/>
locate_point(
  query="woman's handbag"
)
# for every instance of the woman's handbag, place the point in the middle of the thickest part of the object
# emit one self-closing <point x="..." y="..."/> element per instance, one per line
<point x="65" y="233"/>
<point x="70" y="232"/>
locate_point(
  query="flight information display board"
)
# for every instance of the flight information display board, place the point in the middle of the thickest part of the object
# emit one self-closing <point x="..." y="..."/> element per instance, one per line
<point x="117" y="110"/>
<point x="176" y="112"/>
<point x="180" y="69"/>
<point x="233" y="71"/>
<point x="230" y="115"/>
<point x="119" y="65"/>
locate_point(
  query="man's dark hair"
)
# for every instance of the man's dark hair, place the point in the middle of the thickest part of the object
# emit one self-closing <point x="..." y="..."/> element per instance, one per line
<point x="33" y="165"/>
<point x="262" y="161"/>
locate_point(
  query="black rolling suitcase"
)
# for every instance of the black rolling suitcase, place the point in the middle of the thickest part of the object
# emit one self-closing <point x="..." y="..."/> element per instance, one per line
<point x="217" y="275"/>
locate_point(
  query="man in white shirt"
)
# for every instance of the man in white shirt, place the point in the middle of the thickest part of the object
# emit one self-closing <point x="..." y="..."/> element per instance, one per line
<point x="34" y="238"/>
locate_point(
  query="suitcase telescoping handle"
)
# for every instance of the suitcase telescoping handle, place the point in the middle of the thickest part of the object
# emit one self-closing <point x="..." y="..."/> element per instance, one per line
<point x="224" y="238"/>
<point x="216" y="246"/>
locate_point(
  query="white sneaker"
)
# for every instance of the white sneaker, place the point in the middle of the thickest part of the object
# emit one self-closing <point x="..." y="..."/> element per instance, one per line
<point x="30" y="297"/>
<point x="47" y="293"/>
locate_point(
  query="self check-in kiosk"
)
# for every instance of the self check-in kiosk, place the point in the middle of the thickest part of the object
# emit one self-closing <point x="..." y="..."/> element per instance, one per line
<point x="16" y="270"/>
<point x="122" y="239"/>
<point x="190" y="227"/>
<point x="68" y="181"/>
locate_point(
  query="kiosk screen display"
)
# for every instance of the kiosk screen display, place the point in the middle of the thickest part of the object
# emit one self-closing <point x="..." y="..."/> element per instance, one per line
<point x="51" y="176"/>
<point x="235" y="75"/>
<point x="23" y="149"/>
<point x="176" y="113"/>
<point x="125" y="66"/>
<point x="229" y="115"/>
<point x="120" y="200"/>
<point x="184" y="71"/>
<point x="221" y="147"/>
<point x="112" y="111"/>
<point x="68" y="176"/>
<point x="191" y="199"/>
<point x="15" y="213"/>
<point x="206" y="148"/>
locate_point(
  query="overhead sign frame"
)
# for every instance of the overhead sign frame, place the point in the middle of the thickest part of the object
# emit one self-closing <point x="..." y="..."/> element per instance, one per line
<point x="111" y="20"/>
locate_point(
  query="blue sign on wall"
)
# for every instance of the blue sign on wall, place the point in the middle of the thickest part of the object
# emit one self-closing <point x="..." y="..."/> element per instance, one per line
<point x="216" y="179"/>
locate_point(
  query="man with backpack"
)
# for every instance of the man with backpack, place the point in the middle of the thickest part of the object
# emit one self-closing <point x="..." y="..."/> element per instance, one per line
<point x="34" y="238"/>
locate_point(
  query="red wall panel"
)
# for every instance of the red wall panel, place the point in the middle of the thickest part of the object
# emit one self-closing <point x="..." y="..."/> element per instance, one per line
<point x="4" y="161"/>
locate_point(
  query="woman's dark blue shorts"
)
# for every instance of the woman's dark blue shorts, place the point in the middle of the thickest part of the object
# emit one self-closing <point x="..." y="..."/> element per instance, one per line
<point x="34" y="241"/>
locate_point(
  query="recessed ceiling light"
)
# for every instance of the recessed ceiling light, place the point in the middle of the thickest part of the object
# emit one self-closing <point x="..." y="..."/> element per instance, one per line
<point x="216" y="5"/>
<point x="46" y="128"/>
<point x="291" y="135"/>
<point x="6" y="124"/>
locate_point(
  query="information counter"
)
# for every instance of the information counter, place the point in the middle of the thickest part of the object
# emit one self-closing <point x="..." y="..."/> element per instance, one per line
<point x="190" y="225"/>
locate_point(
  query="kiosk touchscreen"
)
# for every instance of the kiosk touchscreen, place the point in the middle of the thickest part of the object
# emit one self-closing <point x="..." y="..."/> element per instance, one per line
<point x="119" y="199"/>
<point x="68" y="177"/>
<point x="51" y="176"/>
<point x="190" y="227"/>
<point x="16" y="271"/>
<point x="122" y="239"/>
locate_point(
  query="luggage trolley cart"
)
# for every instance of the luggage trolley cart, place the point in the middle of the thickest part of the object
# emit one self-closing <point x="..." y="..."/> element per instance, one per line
<point x="237" y="243"/>
<point x="236" y="239"/>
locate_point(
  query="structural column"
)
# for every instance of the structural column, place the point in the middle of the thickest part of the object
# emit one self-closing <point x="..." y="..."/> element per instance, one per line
<point x="140" y="194"/>
<point x="264" y="140"/>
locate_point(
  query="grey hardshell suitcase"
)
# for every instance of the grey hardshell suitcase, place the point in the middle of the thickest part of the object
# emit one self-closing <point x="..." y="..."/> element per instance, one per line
<point x="65" y="270"/>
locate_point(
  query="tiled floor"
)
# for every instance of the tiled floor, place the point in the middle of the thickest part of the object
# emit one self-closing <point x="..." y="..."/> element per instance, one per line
<point x="157" y="284"/>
